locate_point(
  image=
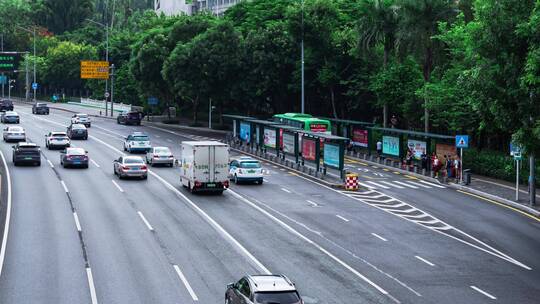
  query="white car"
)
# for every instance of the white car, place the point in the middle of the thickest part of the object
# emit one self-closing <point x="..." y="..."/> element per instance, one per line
<point x="81" y="118"/>
<point x="246" y="169"/>
<point x="14" y="134"/>
<point x="160" y="156"/>
<point x="137" y="142"/>
<point x="57" y="140"/>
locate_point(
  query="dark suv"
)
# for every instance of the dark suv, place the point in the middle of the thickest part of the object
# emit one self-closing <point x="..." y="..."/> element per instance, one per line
<point x="130" y="118"/>
<point x="40" y="108"/>
<point x="26" y="153"/>
<point x="6" y="105"/>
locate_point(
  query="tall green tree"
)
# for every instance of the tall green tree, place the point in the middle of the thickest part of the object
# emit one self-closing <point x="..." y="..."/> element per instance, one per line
<point x="419" y="25"/>
<point x="379" y="25"/>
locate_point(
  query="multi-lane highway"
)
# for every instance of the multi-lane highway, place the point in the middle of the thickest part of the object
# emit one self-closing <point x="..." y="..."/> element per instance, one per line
<point x="84" y="236"/>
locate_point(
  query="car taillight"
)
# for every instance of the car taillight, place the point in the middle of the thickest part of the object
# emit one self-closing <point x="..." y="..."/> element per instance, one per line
<point x="85" y="157"/>
<point x="125" y="168"/>
<point x="198" y="184"/>
<point x="226" y="184"/>
<point x="156" y="156"/>
<point x="170" y="156"/>
<point x="144" y="167"/>
<point x="69" y="157"/>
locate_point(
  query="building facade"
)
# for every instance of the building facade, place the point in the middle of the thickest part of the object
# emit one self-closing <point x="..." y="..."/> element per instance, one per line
<point x="189" y="7"/>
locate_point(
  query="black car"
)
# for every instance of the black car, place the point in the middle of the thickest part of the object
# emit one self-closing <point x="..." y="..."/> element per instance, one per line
<point x="130" y="118"/>
<point x="74" y="157"/>
<point x="40" y="108"/>
<point x="26" y="153"/>
<point x="77" y="131"/>
<point x="6" y="105"/>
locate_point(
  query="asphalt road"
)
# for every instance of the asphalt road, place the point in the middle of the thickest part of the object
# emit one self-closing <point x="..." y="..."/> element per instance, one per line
<point x="153" y="242"/>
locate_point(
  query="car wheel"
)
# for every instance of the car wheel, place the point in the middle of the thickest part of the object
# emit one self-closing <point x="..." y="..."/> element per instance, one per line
<point x="261" y="182"/>
<point x="86" y="137"/>
<point x="85" y="166"/>
<point x="145" y="176"/>
<point x="38" y="164"/>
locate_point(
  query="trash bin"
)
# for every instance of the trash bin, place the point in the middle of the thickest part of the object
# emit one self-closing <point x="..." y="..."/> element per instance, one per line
<point x="467" y="176"/>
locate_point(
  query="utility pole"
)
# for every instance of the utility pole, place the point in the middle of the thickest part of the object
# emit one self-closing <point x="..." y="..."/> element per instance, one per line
<point x="27" y="94"/>
<point x="106" y="26"/>
<point x="33" y="32"/>
<point x="302" y="59"/>
<point x="2" y="44"/>
<point x="210" y="114"/>
<point x="112" y="90"/>
<point x="532" y="165"/>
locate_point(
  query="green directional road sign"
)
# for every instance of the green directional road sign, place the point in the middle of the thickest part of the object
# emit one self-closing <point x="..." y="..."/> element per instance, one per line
<point x="8" y="62"/>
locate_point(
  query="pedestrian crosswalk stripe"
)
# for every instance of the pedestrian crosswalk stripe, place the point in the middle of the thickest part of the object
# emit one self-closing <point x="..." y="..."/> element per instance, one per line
<point x="418" y="184"/>
<point x="390" y="184"/>
<point x="378" y="185"/>
<point x="432" y="184"/>
<point x="365" y="185"/>
<point x="406" y="185"/>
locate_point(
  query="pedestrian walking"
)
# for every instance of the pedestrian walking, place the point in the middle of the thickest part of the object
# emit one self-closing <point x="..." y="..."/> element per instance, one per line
<point x="457" y="168"/>
<point x="408" y="160"/>
<point x="436" y="166"/>
<point x="379" y="148"/>
<point x="424" y="161"/>
<point x="449" y="164"/>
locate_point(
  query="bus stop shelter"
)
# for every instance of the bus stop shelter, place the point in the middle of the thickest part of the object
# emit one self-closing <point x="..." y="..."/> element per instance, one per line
<point x="396" y="143"/>
<point x="330" y="147"/>
<point x="358" y="132"/>
<point x="237" y="123"/>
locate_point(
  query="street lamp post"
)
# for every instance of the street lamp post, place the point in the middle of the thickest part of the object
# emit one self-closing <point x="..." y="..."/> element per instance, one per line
<point x="33" y="32"/>
<point x="302" y="59"/>
<point x="112" y="90"/>
<point x="106" y="26"/>
<point x="9" y="87"/>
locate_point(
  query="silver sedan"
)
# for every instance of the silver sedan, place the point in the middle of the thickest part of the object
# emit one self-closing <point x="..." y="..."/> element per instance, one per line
<point x="160" y="156"/>
<point x="130" y="166"/>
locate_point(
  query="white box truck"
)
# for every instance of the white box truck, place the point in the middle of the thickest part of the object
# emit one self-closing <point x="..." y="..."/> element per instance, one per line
<point x="204" y="166"/>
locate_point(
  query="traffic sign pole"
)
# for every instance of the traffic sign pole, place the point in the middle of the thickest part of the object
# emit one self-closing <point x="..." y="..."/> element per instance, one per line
<point x="517" y="179"/>
<point x="461" y="167"/>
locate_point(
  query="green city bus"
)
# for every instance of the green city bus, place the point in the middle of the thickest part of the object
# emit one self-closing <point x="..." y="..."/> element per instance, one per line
<point x="304" y="122"/>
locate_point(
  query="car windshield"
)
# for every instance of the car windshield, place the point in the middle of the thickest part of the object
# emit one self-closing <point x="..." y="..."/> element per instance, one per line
<point x="162" y="151"/>
<point x="75" y="151"/>
<point x="82" y="115"/>
<point x="282" y="297"/>
<point x="140" y="138"/>
<point x="133" y="161"/>
<point x="250" y="165"/>
<point x="28" y="148"/>
<point x="41" y="105"/>
<point x="59" y="135"/>
<point x="78" y="127"/>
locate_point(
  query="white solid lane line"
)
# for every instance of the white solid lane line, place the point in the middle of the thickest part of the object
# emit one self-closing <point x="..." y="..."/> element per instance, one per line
<point x="286" y="190"/>
<point x="65" y="187"/>
<point x="378" y="185"/>
<point x="406" y="185"/>
<point x="94" y="162"/>
<point x="169" y="140"/>
<point x="77" y="223"/>
<point x="483" y="292"/>
<point x="379" y="237"/>
<point x="392" y="185"/>
<point x="50" y="163"/>
<point x="91" y="285"/>
<point x="8" y="213"/>
<point x="117" y="186"/>
<point x="145" y="221"/>
<point x="341" y="217"/>
<point x="424" y="260"/>
<point x="432" y="184"/>
<point x="186" y="283"/>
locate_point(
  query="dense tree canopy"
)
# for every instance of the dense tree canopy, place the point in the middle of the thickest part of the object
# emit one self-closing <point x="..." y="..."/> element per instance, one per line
<point x="473" y="65"/>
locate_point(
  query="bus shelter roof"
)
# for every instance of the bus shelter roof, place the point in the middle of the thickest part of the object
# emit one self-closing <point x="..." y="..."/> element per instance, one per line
<point x="262" y="122"/>
<point x="237" y="117"/>
<point x="325" y="136"/>
<point x="412" y="133"/>
<point x="350" y="122"/>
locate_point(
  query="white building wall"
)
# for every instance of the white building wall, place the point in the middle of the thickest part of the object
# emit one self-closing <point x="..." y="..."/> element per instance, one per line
<point x="175" y="7"/>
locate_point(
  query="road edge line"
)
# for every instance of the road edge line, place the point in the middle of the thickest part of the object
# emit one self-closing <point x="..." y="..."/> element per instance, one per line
<point x="8" y="214"/>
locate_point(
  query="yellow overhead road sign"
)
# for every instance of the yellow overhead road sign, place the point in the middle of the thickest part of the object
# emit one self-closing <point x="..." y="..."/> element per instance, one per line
<point x="94" y="69"/>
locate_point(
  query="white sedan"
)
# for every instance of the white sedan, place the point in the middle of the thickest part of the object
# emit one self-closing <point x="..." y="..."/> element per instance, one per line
<point x="57" y="140"/>
<point x="81" y="118"/>
<point x="14" y="134"/>
<point x="246" y="169"/>
<point x="160" y="156"/>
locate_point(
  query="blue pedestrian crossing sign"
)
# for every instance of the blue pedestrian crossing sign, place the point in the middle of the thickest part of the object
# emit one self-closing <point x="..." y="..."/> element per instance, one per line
<point x="462" y="141"/>
<point x="34" y="85"/>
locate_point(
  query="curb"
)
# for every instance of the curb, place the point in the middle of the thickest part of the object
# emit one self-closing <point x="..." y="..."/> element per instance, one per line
<point x="498" y="199"/>
<point x="317" y="180"/>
